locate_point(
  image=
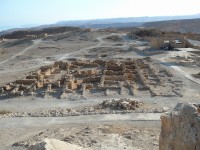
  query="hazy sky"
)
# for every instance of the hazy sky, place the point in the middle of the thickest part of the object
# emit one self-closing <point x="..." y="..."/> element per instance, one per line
<point x="20" y="12"/>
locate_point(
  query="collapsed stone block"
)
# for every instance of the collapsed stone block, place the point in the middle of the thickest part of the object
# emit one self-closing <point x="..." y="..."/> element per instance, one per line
<point x="114" y="67"/>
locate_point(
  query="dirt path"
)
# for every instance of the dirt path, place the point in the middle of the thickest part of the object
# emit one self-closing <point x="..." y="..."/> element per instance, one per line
<point x="35" y="42"/>
<point x="41" y="121"/>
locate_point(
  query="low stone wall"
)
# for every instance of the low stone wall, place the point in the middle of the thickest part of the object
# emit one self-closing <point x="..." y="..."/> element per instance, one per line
<point x="180" y="130"/>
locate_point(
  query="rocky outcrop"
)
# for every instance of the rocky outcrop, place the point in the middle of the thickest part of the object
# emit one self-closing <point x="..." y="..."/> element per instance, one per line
<point x="53" y="144"/>
<point x="180" y="130"/>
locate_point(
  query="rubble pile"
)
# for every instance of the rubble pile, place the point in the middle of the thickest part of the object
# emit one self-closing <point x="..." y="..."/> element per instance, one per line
<point x="122" y="104"/>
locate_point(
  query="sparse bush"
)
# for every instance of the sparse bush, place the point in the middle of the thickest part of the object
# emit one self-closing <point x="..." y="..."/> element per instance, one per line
<point x="146" y="32"/>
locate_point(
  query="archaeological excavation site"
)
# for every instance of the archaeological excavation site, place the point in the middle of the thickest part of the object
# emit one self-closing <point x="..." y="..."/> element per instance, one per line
<point x="71" y="88"/>
<point x="98" y="77"/>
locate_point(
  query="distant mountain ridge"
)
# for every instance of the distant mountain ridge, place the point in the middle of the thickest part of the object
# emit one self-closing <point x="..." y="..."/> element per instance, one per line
<point x="118" y="23"/>
<point x="126" y="20"/>
<point x="186" y="25"/>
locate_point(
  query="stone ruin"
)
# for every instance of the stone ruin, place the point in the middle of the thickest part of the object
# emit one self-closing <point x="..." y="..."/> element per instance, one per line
<point x="100" y="76"/>
<point x="180" y="129"/>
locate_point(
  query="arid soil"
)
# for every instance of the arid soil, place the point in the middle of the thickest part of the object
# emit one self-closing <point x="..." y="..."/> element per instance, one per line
<point x="73" y="111"/>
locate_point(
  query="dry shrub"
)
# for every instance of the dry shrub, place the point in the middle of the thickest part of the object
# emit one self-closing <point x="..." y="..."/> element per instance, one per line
<point x="146" y="32"/>
<point x="156" y="43"/>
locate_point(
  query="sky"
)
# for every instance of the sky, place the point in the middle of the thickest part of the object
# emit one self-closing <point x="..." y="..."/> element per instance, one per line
<point x="36" y="12"/>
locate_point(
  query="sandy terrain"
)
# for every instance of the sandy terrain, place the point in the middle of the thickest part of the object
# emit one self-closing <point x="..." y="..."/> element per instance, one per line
<point x="110" y="131"/>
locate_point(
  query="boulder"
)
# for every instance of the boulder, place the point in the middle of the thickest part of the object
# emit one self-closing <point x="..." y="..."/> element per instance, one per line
<point x="180" y="129"/>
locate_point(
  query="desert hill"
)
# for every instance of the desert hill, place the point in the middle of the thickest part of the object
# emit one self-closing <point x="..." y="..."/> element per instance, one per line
<point x="188" y="25"/>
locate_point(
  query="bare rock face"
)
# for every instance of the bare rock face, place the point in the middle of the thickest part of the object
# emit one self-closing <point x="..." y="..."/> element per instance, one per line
<point x="180" y="130"/>
<point x="53" y="144"/>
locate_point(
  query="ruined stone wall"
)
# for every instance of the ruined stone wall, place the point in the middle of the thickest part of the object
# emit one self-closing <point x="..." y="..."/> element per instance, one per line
<point x="85" y="73"/>
<point x="114" y="67"/>
<point x="99" y="62"/>
<point x="26" y="81"/>
<point x="111" y="82"/>
<point x="180" y="130"/>
<point x="92" y="80"/>
<point x="116" y="78"/>
<point x="116" y="73"/>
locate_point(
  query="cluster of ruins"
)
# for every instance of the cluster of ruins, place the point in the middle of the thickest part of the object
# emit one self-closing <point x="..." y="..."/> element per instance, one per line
<point x="77" y="76"/>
